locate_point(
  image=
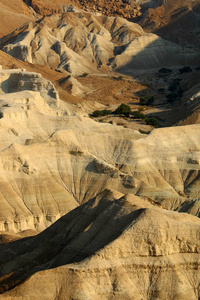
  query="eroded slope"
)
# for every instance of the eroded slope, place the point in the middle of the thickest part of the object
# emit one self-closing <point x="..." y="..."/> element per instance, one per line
<point x="80" y="42"/>
<point x="115" y="246"/>
<point x="177" y="21"/>
<point x="53" y="158"/>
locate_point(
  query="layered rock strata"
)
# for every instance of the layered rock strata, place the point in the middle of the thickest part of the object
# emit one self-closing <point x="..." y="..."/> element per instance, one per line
<point x="80" y="43"/>
<point x="113" y="247"/>
<point x="53" y="158"/>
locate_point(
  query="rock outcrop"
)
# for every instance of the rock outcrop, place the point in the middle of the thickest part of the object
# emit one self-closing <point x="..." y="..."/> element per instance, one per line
<point x="121" y="8"/>
<point x="114" y="246"/>
<point x="44" y="7"/>
<point x="93" y="210"/>
<point x="151" y="52"/>
<point x="19" y="80"/>
<point x="191" y="102"/>
<point x="125" y="9"/>
<point x="73" y="86"/>
<point x="80" y="42"/>
<point x="53" y="158"/>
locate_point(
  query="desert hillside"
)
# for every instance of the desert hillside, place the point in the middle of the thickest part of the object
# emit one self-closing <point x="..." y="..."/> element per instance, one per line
<point x="12" y="15"/>
<point x="79" y="43"/>
<point x="114" y="246"/>
<point x="177" y="21"/>
<point x="75" y="157"/>
<point x="99" y="150"/>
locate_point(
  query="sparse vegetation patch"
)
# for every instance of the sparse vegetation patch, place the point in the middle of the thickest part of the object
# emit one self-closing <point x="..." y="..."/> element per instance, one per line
<point x="171" y="98"/>
<point x="101" y="113"/>
<point x="123" y="109"/>
<point x="148" y="100"/>
<point x="185" y="69"/>
<point x="165" y="71"/>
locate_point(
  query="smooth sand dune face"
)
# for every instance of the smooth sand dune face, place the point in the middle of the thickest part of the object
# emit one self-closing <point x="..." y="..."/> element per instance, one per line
<point x="53" y="158"/>
<point x="113" y="247"/>
<point x="80" y="42"/>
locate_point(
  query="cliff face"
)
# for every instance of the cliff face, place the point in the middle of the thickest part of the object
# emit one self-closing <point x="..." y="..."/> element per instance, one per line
<point x="53" y="158"/>
<point x="80" y="42"/>
<point x="114" y="246"/>
<point x="14" y="15"/>
<point x="112" y="213"/>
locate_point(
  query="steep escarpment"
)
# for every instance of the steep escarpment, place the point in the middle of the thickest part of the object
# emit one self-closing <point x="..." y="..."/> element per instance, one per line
<point x="80" y="42"/>
<point x="93" y="210"/>
<point x="53" y="157"/>
<point x="114" y="246"/>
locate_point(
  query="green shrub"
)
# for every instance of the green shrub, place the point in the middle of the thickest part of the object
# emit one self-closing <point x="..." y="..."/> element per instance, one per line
<point x="185" y="69"/>
<point x="118" y="78"/>
<point x="173" y="87"/>
<point x="165" y="71"/>
<point x="149" y="121"/>
<point x="152" y="121"/>
<point x="161" y="90"/>
<point x="177" y="80"/>
<point x="100" y="113"/>
<point x="138" y="115"/>
<point x="148" y="100"/>
<point x="172" y="97"/>
<point x="123" y="109"/>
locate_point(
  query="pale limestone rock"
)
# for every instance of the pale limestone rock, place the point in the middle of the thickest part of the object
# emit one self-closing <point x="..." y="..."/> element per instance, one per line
<point x="73" y="86"/>
<point x="20" y="80"/>
<point x="80" y="42"/>
<point x="103" y="167"/>
<point x="114" y="246"/>
<point x="21" y="52"/>
<point x="53" y="159"/>
<point x="152" y="52"/>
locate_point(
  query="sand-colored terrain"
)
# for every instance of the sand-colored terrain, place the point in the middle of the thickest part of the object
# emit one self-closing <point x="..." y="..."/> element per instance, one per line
<point x="12" y="15"/>
<point x="81" y="43"/>
<point x="177" y="21"/>
<point x="53" y="157"/>
<point x="98" y="207"/>
<point x="113" y="247"/>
